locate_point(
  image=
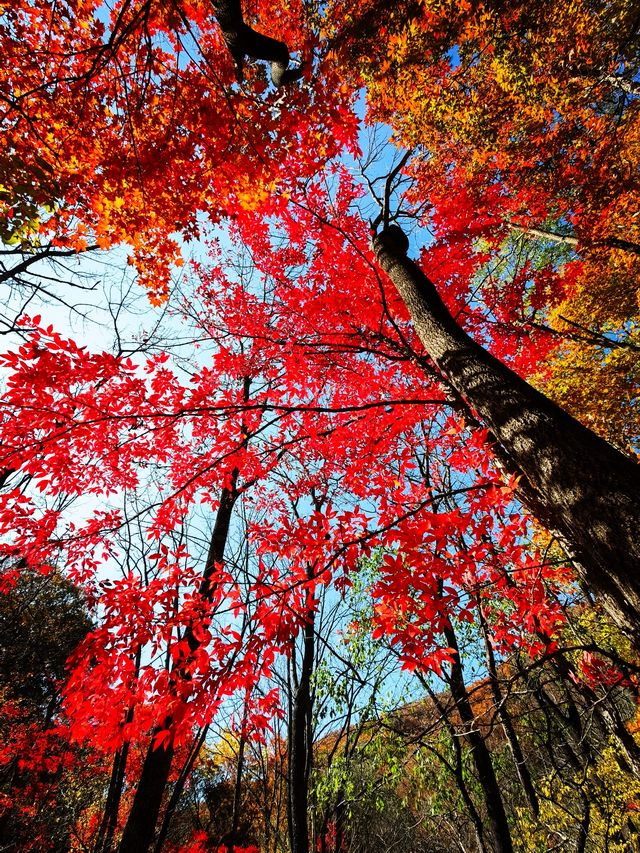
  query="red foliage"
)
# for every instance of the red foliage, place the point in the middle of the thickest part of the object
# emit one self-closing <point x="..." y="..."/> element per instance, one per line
<point x="346" y="440"/>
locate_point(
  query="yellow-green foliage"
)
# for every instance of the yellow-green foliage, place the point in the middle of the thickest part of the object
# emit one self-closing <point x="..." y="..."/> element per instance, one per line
<point x="611" y="795"/>
<point x="596" y="382"/>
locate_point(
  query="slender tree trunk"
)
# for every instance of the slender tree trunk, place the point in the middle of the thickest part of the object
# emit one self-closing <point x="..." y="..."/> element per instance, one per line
<point x="140" y="828"/>
<point x="301" y="748"/>
<point x="618" y="81"/>
<point x="178" y="788"/>
<point x="341" y="816"/>
<point x="544" y="234"/>
<point x="109" y="823"/>
<point x="458" y="768"/>
<point x="585" y="823"/>
<point x="575" y="483"/>
<point x="507" y="724"/>
<point x="563" y="729"/>
<point x="104" y="835"/>
<point x="480" y="752"/>
<point x="604" y="710"/>
<point x="568" y="240"/>
<point x="555" y="744"/>
<point x="237" y="788"/>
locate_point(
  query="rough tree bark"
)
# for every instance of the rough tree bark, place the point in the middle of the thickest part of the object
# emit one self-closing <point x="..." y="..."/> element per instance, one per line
<point x="574" y="482"/>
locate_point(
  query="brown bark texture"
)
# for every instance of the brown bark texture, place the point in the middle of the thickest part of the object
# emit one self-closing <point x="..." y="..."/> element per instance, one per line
<point x="580" y="487"/>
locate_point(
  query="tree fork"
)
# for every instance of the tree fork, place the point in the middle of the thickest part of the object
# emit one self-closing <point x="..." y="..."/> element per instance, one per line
<point x="242" y="40"/>
<point x="579" y="486"/>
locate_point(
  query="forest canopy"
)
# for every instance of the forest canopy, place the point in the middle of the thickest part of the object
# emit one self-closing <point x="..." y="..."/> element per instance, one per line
<point x="319" y="484"/>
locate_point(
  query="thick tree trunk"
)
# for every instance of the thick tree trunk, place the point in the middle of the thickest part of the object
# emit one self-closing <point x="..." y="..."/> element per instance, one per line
<point x="575" y="483"/>
<point x="242" y="40"/>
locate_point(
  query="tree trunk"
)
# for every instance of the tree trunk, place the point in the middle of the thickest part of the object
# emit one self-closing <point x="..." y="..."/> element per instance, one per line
<point x="241" y="40"/>
<point x="457" y="769"/>
<point x="140" y="827"/>
<point x="237" y="788"/>
<point x="603" y="709"/>
<point x="479" y="750"/>
<point x="109" y="823"/>
<point x="575" y="483"/>
<point x="178" y="789"/>
<point x="507" y="723"/>
<point x="568" y="240"/>
<point x="300" y="740"/>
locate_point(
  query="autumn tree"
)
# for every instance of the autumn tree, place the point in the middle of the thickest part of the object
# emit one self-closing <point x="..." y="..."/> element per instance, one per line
<point x="131" y="34"/>
<point x="537" y="118"/>
<point x="538" y="443"/>
<point x="470" y="75"/>
<point x="47" y="782"/>
<point x="336" y="413"/>
<point x="126" y="127"/>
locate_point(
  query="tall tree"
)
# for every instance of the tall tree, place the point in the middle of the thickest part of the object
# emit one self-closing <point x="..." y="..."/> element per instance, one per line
<point x="147" y="139"/>
<point x="594" y="508"/>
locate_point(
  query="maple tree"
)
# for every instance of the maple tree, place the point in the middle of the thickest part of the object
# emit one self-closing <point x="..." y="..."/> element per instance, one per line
<point x="331" y="412"/>
<point x="538" y="443"/>
<point x="124" y="127"/>
<point x="538" y="116"/>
